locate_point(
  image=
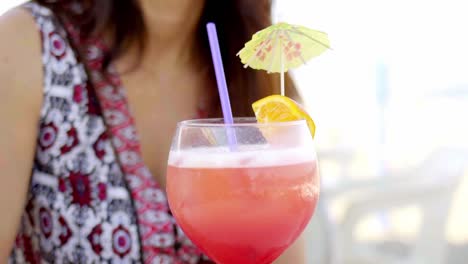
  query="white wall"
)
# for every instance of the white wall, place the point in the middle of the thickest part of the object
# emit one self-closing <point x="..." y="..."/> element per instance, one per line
<point x="7" y="4"/>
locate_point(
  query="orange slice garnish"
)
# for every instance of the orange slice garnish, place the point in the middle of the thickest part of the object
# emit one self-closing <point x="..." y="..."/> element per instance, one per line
<point x="278" y="108"/>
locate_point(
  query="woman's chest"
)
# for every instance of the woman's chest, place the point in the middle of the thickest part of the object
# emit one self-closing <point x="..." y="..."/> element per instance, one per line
<point x="156" y="107"/>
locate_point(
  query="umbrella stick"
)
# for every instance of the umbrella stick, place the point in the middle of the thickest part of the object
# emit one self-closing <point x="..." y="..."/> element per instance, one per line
<point x="282" y="74"/>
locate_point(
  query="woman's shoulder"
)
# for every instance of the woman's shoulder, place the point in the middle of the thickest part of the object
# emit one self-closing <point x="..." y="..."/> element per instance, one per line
<point x="18" y="29"/>
<point x="19" y="34"/>
<point x="20" y="56"/>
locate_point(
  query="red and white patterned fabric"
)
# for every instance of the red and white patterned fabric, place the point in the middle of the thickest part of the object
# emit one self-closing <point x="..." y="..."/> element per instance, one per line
<point x="91" y="197"/>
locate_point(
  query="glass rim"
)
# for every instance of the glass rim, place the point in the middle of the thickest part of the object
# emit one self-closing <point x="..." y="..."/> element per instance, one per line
<point x="238" y="122"/>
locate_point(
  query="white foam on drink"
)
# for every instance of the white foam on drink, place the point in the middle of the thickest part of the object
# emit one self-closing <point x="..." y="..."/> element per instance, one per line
<point x="243" y="157"/>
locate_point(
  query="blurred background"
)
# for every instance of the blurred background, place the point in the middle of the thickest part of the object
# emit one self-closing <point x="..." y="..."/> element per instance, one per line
<point x="391" y="103"/>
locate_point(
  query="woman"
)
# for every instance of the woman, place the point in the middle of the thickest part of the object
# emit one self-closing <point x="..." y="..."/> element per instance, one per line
<point x="82" y="187"/>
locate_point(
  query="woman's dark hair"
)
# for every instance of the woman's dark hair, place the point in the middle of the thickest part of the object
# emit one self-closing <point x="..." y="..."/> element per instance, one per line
<point x="236" y="21"/>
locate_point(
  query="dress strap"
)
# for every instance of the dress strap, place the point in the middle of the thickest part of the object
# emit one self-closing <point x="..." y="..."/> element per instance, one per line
<point x="162" y="241"/>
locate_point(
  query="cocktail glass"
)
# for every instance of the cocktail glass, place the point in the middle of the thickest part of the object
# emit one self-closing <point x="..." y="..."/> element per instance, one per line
<point x="244" y="203"/>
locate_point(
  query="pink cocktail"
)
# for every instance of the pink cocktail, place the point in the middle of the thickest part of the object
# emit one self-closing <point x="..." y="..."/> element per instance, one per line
<point x="247" y="203"/>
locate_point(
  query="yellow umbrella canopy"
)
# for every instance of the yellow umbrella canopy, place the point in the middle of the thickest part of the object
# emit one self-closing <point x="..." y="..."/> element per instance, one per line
<point x="281" y="47"/>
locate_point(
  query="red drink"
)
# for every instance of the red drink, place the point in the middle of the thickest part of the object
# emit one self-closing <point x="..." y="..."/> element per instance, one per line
<point x="246" y="207"/>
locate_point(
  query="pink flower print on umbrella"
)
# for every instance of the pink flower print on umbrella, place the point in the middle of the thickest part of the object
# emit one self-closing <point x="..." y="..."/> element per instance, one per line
<point x="281" y="47"/>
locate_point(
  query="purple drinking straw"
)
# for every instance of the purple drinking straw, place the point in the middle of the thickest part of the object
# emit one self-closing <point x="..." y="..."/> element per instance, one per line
<point x="221" y="81"/>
